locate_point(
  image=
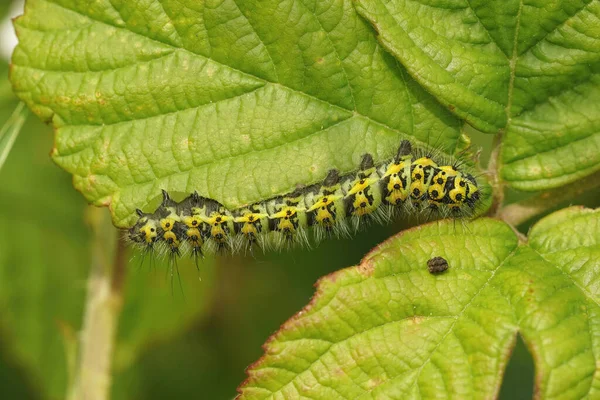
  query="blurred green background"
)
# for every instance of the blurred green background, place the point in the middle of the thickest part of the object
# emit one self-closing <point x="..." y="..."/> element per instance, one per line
<point x="194" y="342"/>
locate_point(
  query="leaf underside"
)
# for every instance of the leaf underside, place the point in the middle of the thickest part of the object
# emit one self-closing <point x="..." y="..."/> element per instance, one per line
<point x="387" y="328"/>
<point x="530" y="68"/>
<point x="239" y="100"/>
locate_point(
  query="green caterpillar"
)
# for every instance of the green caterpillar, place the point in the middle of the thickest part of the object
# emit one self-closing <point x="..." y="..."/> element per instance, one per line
<point x="338" y="206"/>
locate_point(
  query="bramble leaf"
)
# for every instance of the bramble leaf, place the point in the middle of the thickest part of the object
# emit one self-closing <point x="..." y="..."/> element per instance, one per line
<point x="237" y="99"/>
<point x="387" y="328"/>
<point x="528" y="68"/>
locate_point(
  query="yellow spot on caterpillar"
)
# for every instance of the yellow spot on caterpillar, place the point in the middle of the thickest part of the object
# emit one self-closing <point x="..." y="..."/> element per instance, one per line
<point x="149" y="232"/>
<point x="286" y="220"/>
<point x="218" y="226"/>
<point x="363" y="202"/>
<point x="171" y="239"/>
<point x="396" y="186"/>
<point x="193" y="235"/>
<point x="472" y="190"/>
<point x="360" y="186"/>
<point x="251" y="224"/>
<point x="425" y="162"/>
<point x="324" y="209"/>
<point x="421" y="177"/>
<point x="192" y="221"/>
<point x="459" y="193"/>
<point x="167" y="224"/>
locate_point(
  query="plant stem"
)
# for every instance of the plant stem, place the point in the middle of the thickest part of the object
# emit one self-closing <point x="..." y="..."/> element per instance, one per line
<point x="520" y="212"/>
<point x="494" y="173"/>
<point x="102" y="310"/>
<point x="10" y="131"/>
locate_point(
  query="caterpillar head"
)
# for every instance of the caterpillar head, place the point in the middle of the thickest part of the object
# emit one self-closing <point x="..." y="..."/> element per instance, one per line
<point x="473" y="192"/>
<point x="145" y="231"/>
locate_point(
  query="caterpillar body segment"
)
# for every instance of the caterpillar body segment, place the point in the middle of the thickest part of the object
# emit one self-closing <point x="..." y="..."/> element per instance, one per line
<point x="343" y="203"/>
<point x="251" y="223"/>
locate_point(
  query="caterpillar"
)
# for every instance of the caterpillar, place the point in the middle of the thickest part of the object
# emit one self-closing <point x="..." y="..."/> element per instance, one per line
<point x="409" y="182"/>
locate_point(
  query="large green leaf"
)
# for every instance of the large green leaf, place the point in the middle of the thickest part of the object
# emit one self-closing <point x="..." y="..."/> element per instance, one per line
<point x="530" y="68"/>
<point x="188" y="95"/>
<point x="387" y="328"/>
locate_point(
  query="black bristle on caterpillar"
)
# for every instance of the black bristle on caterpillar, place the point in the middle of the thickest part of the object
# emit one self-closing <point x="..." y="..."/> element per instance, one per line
<point x="409" y="182"/>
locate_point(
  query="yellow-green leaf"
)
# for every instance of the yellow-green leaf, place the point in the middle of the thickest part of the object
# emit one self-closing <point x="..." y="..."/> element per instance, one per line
<point x="528" y="68"/>
<point x="388" y="328"/>
<point x="239" y="100"/>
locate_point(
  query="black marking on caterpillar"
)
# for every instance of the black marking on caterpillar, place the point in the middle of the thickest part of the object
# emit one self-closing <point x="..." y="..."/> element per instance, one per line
<point x="437" y="265"/>
<point x="411" y="182"/>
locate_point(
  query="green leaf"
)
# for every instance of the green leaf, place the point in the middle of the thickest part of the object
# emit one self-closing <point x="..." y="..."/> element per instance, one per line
<point x="387" y="328"/>
<point x="528" y="68"/>
<point x="188" y="95"/>
<point x="560" y="312"/>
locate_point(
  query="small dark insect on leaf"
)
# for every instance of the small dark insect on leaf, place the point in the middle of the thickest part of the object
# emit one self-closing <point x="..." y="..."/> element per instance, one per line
<point x="437" y="265"/>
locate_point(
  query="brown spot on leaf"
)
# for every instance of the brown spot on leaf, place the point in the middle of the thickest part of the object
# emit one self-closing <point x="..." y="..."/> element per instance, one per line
<point x="416" y="319"/>
<point x="366" y="267"/>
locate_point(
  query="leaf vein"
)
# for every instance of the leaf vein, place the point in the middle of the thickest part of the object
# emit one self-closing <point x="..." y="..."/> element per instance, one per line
<point x="512" y="65"/>
<point x="486" y="29"/>
<point x="337" y="55"/>
<point x="581" y="288"/>
<point x="260" y="39"/>
<point x="554" y="29"/>
<point x="239" y="71"/>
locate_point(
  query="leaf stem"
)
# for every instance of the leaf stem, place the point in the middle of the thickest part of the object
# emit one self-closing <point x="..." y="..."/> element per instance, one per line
<point x="102" y="310"/>
<point x="10" y="131"/>
<point x="494" y="173"/>
<point x="520" y="212"/>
